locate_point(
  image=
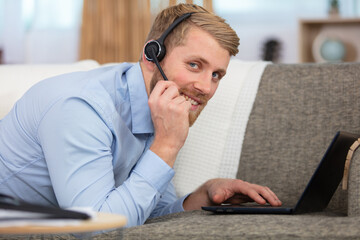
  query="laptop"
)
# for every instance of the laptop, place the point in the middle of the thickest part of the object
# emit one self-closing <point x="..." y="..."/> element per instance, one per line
<point x="319" y="189"/>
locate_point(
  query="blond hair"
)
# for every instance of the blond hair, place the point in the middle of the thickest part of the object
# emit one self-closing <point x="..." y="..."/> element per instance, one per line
<point x="209" y="22"/>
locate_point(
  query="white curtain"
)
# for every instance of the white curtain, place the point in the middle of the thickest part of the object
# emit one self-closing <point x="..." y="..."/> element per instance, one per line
<point x="40" y="31"/>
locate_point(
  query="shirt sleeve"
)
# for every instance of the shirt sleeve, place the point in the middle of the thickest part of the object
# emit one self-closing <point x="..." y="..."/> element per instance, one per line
<point x="77" y="146"/>
<point x="168" y="203"/>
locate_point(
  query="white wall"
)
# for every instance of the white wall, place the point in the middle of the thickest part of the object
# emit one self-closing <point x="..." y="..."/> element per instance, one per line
<point x="255" y="21"/>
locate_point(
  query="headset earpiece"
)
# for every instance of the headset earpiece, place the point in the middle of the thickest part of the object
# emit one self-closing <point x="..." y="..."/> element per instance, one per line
<point x="154" y="49"/>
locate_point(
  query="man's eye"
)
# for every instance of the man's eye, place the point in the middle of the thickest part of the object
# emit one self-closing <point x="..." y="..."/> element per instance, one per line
<point x="193" y="65"/>
<point x="215" y="75"/>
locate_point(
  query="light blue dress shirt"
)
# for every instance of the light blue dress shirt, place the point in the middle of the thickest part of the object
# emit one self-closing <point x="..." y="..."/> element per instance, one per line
<point x="82" y="139"/>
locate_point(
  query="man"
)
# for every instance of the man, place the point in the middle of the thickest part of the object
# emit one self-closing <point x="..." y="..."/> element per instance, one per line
<point x="108" y="138"/>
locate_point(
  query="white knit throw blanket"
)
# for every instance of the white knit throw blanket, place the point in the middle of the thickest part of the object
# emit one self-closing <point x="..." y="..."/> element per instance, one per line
<point x="213" y="147"/>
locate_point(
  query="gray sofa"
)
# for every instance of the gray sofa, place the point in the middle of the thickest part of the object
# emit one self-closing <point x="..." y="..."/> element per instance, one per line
<point x="297" y="110"/>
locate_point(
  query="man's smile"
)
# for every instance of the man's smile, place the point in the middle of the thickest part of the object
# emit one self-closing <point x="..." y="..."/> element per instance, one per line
<point x="190" y="99"/>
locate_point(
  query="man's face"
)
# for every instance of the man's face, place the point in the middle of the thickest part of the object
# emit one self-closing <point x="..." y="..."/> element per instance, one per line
<point x="196" y="67"/>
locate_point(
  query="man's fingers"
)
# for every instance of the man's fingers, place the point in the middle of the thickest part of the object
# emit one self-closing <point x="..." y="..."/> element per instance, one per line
<point x="171" y="92"/>
<point x="236" y="191"/>
<point x="162" y="86"/>
<point x="272" y="195"/>
<point x="256" y="197"/>
<point x="263" y="195"/>
<point x="239" y="199"/>
<point x="167" y="93"/>
<point x="258" y="193"/>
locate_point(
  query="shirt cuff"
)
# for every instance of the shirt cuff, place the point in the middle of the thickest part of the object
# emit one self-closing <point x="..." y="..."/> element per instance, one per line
<point x="154" y="170"/>
<point x="179" y="204"/>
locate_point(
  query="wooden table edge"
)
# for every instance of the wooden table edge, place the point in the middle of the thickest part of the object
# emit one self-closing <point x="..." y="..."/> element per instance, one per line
<point x="103" y="221"/>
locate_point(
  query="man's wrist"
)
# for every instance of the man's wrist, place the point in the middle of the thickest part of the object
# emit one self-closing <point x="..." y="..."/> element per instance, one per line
<point x="197" y="199"/>
<point x="167" y="154"/>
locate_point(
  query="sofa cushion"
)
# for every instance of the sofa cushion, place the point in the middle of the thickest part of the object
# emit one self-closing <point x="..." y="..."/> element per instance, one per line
<point x="297" y="111"/>
<point x="204" y="225"/>
<point x="213" y="146"/>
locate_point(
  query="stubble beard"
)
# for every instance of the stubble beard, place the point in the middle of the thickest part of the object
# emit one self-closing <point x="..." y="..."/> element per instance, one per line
<point x="193" y="115"/>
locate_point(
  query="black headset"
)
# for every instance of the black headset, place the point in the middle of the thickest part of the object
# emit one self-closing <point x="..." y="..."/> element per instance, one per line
<point x="155" y="50"/>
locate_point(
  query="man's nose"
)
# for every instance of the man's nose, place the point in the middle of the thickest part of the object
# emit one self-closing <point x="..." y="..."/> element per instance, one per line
<point x="203" y="84"/>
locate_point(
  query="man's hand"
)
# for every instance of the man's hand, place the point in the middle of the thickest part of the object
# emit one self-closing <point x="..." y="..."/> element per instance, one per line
<point x="170" y="116"/>
<point x="234" y="191"/>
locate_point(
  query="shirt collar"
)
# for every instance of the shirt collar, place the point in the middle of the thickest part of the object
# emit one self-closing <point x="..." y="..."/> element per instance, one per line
<point x="140" y="111"/>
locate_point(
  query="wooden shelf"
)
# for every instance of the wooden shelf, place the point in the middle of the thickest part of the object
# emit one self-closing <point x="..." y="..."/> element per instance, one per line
<point x="348" y="29"/>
